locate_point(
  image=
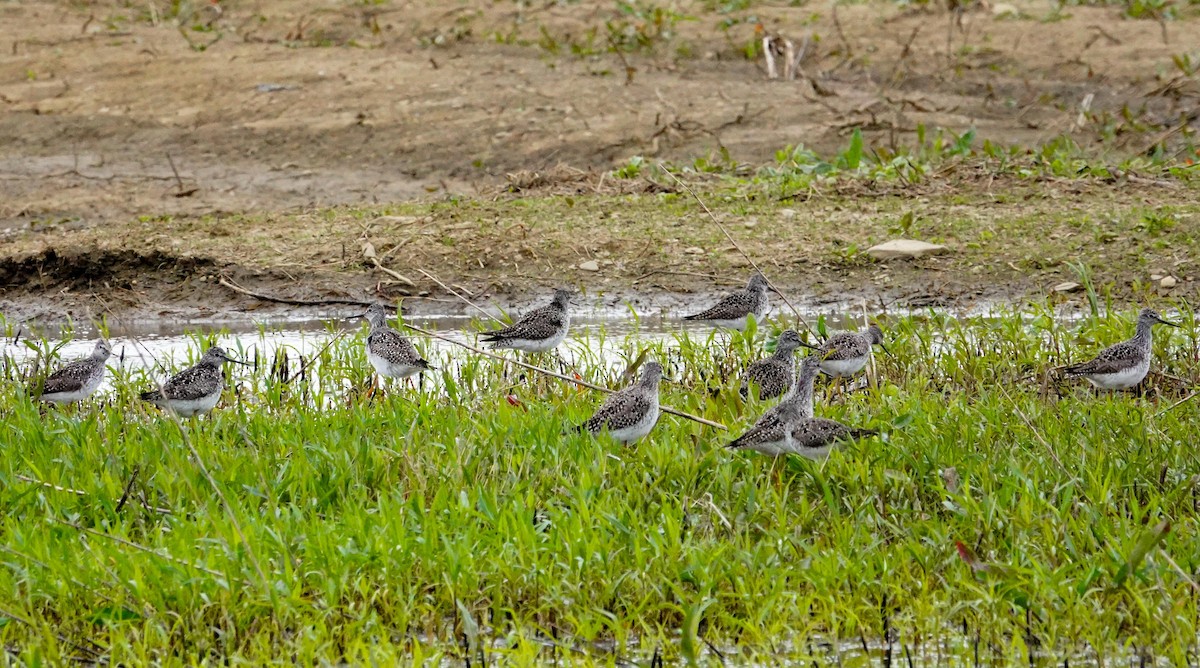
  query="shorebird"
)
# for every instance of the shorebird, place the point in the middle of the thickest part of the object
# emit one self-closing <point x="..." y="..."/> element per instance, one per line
<point x="846" y="353"/>
<point x="77" y="380"/>
<point x="538" y="331"/>
<point x="773" y="375"/>
<point x="194" y="391"/>
<point x="1124" y="365"/>
<point x="734" y="310"/>
<point x="786" y="432"/>
<point x="629" y="414"/>
<point x="389" y="351"/>
<point x="770" y="434"/>
<point x="815" y="437"/>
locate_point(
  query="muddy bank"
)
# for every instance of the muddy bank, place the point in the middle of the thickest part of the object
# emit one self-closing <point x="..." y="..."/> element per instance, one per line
<point x="113" y="111"/>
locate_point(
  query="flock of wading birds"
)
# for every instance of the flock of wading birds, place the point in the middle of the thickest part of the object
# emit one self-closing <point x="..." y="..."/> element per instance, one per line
<point x="788" y="427"/>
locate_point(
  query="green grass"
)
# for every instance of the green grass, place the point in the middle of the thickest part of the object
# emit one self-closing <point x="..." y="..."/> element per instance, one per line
<point x="452" y="524"/>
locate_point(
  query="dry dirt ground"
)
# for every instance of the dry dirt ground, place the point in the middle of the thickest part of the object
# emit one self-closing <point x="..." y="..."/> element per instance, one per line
<point x="159" y="142"/>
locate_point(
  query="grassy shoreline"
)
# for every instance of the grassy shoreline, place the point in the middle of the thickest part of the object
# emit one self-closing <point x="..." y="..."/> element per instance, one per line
<point x="399" y="526"/>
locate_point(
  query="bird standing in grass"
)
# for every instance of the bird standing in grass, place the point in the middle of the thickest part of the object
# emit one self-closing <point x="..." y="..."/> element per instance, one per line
<point x="391" y="353"/>
<point x="735" y="309"/>
<point x="815" y="437"/>
<point x="773" y="375"/>
<point x="790" y="428"/>
<point x="77" y="380"/>
<point x="1125" y="364"/>
<point x="769" y="434"/>
<point x="196" y="390"/>
<point x="538" y="331"/>
<point x="629" y="414"/>
<point x="846" y="353"/>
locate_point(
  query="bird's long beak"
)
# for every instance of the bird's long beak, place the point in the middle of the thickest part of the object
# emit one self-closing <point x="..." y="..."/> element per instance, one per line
<point x="885" y="349"/>
<point x="236" y="361"/>
<point x="1166" y="322"/>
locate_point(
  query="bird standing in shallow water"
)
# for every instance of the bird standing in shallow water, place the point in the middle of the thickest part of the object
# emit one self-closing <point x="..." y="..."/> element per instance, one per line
<point x="1125" y="364"/>
<point x="538" y="331"/>
<point x="773" y="375"/>
<point x="196" y="390"/>
<point x="77" y="380"/>
<point x="735" y="309"/>
<point x="390" y="352"/>
<point x="629" y="414"/>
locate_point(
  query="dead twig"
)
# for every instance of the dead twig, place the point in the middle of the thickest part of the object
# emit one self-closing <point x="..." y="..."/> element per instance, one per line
<point x="56" y="488"/>
<point x="225" y="281"/>
<point x="1183" y="574"/>
<point x="1036" y="434"/>
<point x="304" y="366"/>
<point x="547" y="372"/>
<point x="1177" y="404"/>
<point x="128" y="487"/>
<point x="711" y="216"/>
<point x="143" y="548"/>
<point x="61" y="638"/>
<point x="466" y="301"/>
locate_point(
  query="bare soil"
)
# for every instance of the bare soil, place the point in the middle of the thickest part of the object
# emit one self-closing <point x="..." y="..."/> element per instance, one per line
<point x="145" y="145"/>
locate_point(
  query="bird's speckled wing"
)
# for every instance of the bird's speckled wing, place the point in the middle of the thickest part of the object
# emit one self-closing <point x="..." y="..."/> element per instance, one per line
<point x="194" y="383"/>
<point x="70" y="378"/>
<point x="537" y="325"/>
<point x="767" y="429"/>
<point x="844" y="346"/>
<point x="734" y="306"/>
<point x="817" y="433"/>
<point x="1113" y="359"/>
<point x="394" y="347"/>
<point x="620" y="410"/>
<point x="773" y="377"/>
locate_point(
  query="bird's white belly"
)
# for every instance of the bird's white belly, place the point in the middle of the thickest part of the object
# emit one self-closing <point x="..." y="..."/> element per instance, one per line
<point x="390" y="369"/>
<point x="78" y="395"/>
<point x="190" y="407"/>
<point x="841" y="368"/>
<point x="812" y="453"/>
<point x="770" y="448"/>
<point x="640" y="429"/>
<point x="537" y="345"/>
<point x="1122" y="380"/>
<point x="737" y="323"/>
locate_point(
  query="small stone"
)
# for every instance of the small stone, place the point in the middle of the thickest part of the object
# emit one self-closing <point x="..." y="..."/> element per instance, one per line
<point x="749" y="224"/>
<point x="1068" y="286"/>
<point x="1156" y="277"/>
<point x="693" y="250"/>
<point x="904" y="248"/>
<point x="787" y="213"/>
<point x="1005" y="9"/>
<point x="1168" y="282"/>
<point x="590" y="265"/>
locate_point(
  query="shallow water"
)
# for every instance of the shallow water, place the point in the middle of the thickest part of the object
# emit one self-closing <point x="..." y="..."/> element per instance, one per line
<point x="159" y="347"/>
<point x="163" y="347"/>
